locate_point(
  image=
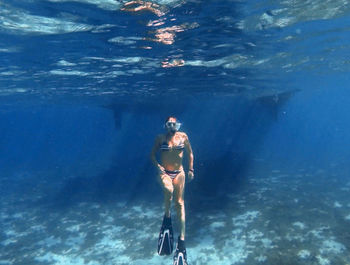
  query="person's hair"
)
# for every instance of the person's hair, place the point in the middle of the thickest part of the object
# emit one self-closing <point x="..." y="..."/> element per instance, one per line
<point x="167" y="119"/>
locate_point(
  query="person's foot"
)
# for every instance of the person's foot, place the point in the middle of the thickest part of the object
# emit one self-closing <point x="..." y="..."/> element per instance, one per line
<point x="166" y="237"/>
<point x="180" y="257"/>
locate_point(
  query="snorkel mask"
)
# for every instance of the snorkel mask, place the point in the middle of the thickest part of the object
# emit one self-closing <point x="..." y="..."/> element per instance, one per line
<point x="173" y="126"/>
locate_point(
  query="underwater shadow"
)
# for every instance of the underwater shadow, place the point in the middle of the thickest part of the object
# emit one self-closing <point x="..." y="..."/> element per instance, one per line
<point x="104" y="188"/>
<point x="217" y="179"/>
<point x="113" y="186"/>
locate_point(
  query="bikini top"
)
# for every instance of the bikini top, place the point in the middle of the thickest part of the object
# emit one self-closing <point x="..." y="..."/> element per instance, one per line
<point x="165" y="147"/>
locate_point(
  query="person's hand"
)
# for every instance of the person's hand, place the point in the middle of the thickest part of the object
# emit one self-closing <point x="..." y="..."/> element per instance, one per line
<point x="161" y="169"/>
<point x="190" y="175"/>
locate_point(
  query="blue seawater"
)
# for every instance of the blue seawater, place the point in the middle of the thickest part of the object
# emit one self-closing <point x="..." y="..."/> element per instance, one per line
<point x="261" y="89"/>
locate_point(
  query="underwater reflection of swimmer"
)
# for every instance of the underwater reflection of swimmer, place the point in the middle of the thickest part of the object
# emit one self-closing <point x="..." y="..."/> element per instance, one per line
<point x="173" y="63"/>
<point x="172" y="179"/>
<point x="136" y="6"/>
<point x="167" y="35"/>
<point x="164" y="35"/>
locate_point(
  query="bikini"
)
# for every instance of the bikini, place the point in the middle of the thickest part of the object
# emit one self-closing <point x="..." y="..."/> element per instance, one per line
<point x="165" y="147"/>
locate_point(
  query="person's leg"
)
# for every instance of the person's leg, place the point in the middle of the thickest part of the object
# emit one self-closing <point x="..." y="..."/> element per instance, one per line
<point x="168" y="189"/>
<point x="179" y="187"/>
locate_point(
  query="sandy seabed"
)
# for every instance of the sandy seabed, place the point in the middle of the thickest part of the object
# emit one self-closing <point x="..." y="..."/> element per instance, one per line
<point x="277" y="218"/>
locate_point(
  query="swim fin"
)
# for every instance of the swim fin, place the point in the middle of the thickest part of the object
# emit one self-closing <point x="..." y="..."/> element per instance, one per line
<point x="180" y="257"/>
<point x="166" y="237"/>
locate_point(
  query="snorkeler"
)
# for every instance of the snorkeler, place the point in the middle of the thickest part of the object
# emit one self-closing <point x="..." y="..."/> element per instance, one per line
<point x="172" y="178"/>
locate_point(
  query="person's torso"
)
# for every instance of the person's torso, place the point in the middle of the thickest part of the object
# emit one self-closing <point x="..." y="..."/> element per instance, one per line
<point x="171" y="151"/>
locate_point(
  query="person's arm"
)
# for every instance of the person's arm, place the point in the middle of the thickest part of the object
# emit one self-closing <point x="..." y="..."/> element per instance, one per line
<point x="190" y="158"/>
<point x="154" y="151"/>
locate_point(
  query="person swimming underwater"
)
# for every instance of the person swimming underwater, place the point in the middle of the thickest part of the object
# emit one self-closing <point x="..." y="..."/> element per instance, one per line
<point x="172" y="178"/>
